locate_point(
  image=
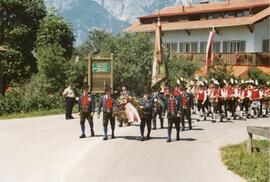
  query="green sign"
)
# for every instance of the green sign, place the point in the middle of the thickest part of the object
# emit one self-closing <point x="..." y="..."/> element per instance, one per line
<point x="101" y="67"/>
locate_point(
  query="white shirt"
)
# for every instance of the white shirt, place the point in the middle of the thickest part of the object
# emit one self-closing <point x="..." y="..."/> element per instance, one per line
<point x="68" y="92"/>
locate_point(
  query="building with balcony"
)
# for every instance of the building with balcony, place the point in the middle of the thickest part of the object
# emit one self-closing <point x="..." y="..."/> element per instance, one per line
<point x="242" y="31"/>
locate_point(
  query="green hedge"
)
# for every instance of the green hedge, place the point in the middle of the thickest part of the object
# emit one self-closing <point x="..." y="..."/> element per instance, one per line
<point x="17" y="102"/>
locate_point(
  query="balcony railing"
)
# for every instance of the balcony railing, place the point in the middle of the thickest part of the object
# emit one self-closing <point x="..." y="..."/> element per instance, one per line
<point x="250" y="59"/>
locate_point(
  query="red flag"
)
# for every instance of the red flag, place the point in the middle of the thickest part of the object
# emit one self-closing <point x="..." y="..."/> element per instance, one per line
<point x="209" y="50"/>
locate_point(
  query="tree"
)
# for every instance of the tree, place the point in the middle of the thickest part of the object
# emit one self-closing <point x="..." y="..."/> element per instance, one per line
<point x="55" y="29"/>
<point x="178" y="67"/>
<point x="19" y="21"/>
<point x="51" y="66"/>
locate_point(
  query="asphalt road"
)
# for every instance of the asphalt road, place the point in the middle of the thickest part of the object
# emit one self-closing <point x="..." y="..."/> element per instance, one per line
<point x="47" y="149"/>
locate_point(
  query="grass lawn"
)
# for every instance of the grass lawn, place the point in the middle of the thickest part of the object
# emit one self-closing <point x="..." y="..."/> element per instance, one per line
<point x="32" y="114"/>
<point x="253" y="167"/>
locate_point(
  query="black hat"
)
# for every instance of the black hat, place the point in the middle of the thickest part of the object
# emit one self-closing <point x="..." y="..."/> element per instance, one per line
<point x="183" y="87"/>
<point x="85" y="86"/>
<point x="107" y="87"/>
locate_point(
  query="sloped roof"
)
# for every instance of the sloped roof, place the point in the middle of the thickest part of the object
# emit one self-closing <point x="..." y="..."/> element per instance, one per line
<point x="200" y="24"/>
<point x="209" y="7"/>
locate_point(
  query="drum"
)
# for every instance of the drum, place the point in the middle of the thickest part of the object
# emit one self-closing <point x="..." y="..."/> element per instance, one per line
<point x="256" y="104"/>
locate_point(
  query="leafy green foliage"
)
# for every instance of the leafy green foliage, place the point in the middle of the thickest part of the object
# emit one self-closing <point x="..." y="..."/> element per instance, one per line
<point x="19" y="21"/>
<point x="256" y="74"/>
<point x="253" y="167"/>
<point x="56" y="30"/>
<point x="181" y="68"/>
<point x="220" y="71"/>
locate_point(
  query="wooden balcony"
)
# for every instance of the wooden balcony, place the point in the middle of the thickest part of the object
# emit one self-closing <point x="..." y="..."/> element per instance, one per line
<point x="241" y="59"/>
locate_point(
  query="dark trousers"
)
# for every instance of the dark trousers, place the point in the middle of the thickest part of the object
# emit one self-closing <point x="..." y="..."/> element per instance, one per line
<point x="173" y="120"/>
<point x="232" y="106"/>
<point x="225" y="105"/>
<point x="69" y="107"/>
<point x="159" y="114"/>
<point x="106" y="118"/>
<point x="83" y="117"/>
<point x="186" y="114"/>
<point x="146" y="120"/>
<point x="201" y="106"/>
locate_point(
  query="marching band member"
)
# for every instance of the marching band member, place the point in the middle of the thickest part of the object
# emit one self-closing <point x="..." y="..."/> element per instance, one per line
<point x="231" y="100"/>
<point x="186" y="104"/>
<point x="172" y="106"/>
<point x="201" y="99"/>
<point x="158" y="102"/>
<point x="107" y="103"/>
<point x="147" y="105"/>
<point x="255" y="98"/>
<point x="216" y="102"/>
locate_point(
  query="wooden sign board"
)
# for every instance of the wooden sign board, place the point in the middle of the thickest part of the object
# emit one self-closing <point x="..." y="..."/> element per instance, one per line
<point x="100" y="72"/>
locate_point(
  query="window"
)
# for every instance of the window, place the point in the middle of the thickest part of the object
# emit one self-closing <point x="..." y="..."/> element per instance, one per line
<point x="239" y="14"/>
<point x="216" y="47"/>
<point x="203" y="47"/>
<point x="246" y="13"/>
<point x="266" y="45"/>
<point x="194" y="47"/>
<point x="234" y="46"/>
<point x="210" y="17"/>
<point x="188" y="47"/>
<point x="172" y="47"/>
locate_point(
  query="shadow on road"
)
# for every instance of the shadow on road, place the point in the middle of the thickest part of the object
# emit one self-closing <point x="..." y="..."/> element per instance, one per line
<point x="137" y="137"/>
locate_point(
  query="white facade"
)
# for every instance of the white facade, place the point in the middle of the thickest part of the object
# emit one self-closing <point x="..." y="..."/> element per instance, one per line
<point x="253" y="40"/>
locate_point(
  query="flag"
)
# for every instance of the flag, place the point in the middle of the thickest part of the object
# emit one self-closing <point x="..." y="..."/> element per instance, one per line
<point x="159" y="70"/>
<point x="209" y="50"/>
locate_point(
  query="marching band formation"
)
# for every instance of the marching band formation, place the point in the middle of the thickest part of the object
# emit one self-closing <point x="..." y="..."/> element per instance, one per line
<point x="199" y="99"/>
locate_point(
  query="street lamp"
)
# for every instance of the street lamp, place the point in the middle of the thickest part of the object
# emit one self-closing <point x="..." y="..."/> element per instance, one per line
<point x="1" y="73"/>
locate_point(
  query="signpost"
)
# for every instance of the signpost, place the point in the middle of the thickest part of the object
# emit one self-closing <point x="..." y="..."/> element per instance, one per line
<point x="100" y="72"/>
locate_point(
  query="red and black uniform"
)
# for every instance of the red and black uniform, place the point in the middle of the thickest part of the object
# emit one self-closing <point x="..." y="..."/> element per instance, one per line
<point x="201" y="99"/>
<point x="186" y="103"/>
<point x="107" y="103"/>
<point x="231" y="100"/>
<point x="216" y="103"/>
<point x="86" y="107"/>
<point x="173" y="109"/>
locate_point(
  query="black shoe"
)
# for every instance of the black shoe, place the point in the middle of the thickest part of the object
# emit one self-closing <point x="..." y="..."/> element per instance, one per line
<point x="190" y="128"/>
<point x="183" y="129"/>
<point x="148" y="138"/>
<point x="204" y="118"/>
<point x="178" y="138"/>
<point x="71" y="117"/>
<point x="142" y="138"/>
<point x="213" y="121"/>
<point x="82" y="136"/>
<point x="92" y="133"/>
<point x="161" y="127"/>
<point x="120" y="125"/>
<point x="105" y="138"/>
<point x="128" y="124"/>
<point x="198" y="120"/>
<point x="113" y="137"/>
<point x="169" y="140"/>
<point x="154" y="128"/>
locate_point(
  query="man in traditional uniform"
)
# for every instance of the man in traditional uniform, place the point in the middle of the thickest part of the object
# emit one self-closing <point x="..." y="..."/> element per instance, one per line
<point x="186" y="104"/>
<point x="158" y="106"/>
<point x="255" y="98"/>
<point x="70" y="98"/>
<point x="216" y="102"/>
<point x="201" y="99"/>
<point x="231" y="100"/>
<point x="172" y="106"/>
<point x="147" y="106"/>
<point x="107" y="103"/>
<point x="86" y="110"/>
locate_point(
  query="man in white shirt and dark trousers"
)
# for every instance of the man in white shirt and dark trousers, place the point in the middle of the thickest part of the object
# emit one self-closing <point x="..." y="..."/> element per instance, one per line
<point x="70" y="98"/>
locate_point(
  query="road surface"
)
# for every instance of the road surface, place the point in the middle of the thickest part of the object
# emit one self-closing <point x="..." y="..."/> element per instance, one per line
<point x="47" y="149"/>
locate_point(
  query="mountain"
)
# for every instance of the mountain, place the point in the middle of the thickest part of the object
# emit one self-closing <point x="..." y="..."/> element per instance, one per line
<point x="111" y="15"/>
